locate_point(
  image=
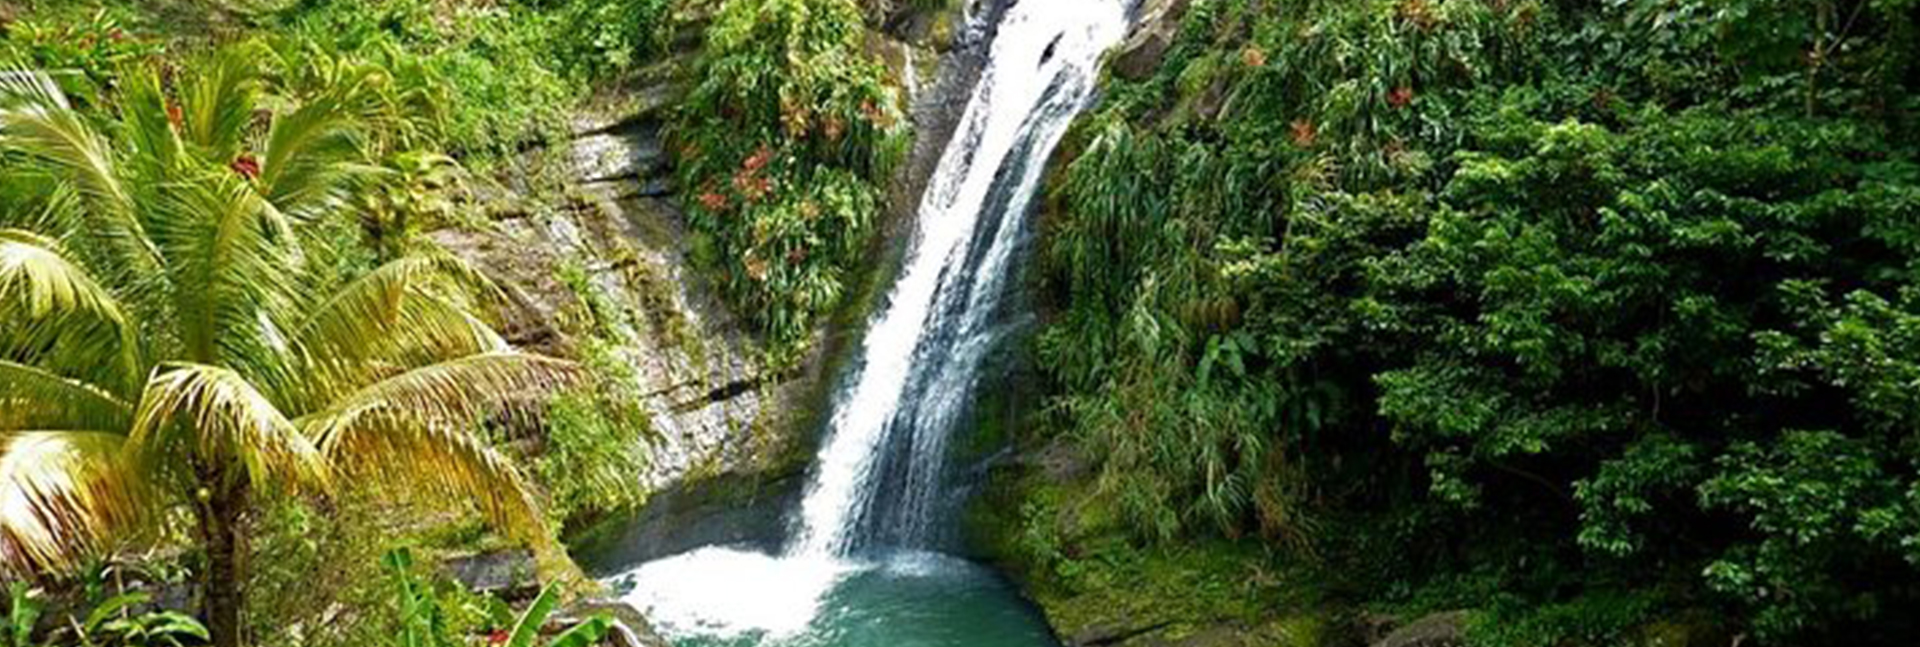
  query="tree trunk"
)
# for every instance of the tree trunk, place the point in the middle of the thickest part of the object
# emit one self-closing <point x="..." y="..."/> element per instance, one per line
<point x="223" y="538"/>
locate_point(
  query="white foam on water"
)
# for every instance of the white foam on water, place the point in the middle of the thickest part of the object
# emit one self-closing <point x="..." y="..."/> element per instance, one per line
<point x="730" y="593"/>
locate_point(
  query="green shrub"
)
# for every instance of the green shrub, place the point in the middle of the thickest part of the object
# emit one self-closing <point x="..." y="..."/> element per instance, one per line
<point x="784" y="144"/>
<point x="84" y="55"/>
<point x="594" y="454"/>
<point x="496" y="62"/>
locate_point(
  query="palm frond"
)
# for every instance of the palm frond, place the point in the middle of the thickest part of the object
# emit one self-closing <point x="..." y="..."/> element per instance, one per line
<point x="214" y="414"/>
<point x="424" y="420"/>
<point x="459" y="392"/>
<point x="149" y="131"/>
<point x="33" y="271"/>
<point x="63" y="496"/>
<point x="37" y="122"/>
<point x="310" y="159"/>
<point x="56" y="312"/>
<point x="232" y="259"/>
<point x="33" y="88"/>
<point x="218" y="102"/>
<point x="31" y="398"/>
<point x="40" y="204"/>
<point x="399" y="313"/>
<point x="444" y="461"/>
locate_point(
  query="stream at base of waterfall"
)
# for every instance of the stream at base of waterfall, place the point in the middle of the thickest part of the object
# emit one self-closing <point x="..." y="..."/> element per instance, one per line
<point x="861" y="566"/>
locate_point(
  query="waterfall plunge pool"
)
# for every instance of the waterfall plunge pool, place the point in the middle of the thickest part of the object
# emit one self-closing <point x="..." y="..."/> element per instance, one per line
<point x="724" y="597"/>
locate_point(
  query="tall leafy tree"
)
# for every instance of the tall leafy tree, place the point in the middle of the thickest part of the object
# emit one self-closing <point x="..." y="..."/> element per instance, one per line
<point x="173" y="342"/>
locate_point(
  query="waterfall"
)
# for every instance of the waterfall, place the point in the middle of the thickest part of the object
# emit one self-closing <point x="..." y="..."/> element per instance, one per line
<point x="922" y="353"/>
<point x="879" y="480"/>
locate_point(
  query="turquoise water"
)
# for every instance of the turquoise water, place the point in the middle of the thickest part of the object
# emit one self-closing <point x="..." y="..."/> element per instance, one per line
<point x="726" y="598"/>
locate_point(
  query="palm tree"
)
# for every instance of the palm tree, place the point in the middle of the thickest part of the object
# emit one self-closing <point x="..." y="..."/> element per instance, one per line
<point x="173" y="341"/>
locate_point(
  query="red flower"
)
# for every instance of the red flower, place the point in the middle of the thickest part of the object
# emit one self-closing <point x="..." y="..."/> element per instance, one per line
<point x="713" y="201"/>
<point x="117" y="35"/>
<point x="1304" y="132"/>
<point x="175" y="117"/>
<point x="497" y="637"/>
<point x="246" y="166"/>
<point x="1400" y="97"/>
<point x="758" y="160"/>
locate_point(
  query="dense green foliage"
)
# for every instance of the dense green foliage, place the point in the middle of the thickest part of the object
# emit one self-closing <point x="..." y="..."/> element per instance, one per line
<point x="784" y="144"/>
<point x="426" y="619"/>
<point x="276" y="162"/>
<point x="111" y="621"/>
<point x="515" y="67"/>
<point x="1632" y="285"/>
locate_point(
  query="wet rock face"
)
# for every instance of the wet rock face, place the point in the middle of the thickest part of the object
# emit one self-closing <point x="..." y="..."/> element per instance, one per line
<point x="1153" y="34"/>
<point x="589" y="241"/>
<point x="602" y="261"/>
<point x="508" y="573"/>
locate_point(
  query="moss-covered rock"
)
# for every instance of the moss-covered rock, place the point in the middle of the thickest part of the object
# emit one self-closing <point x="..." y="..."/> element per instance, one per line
<point x="1046" y="522"/>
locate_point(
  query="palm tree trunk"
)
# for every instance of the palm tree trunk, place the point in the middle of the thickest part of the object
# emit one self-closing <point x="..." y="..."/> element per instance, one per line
<point x="222" y="536"/>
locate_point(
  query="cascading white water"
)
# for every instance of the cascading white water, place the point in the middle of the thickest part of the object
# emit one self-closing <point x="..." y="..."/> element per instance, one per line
<point x="920" y="356"/>
<point x="878" y="479"/>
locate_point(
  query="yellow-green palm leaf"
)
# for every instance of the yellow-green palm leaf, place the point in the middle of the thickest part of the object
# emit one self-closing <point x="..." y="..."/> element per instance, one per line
<point x="55" y="311"/>
<point x="217" y="104"/>
<point x="423" y="421"/>
<point x="213" y="414"/>
<point x="232" y="261"/>
<point x="36" y="121"/>
<point x="32" y="398"/>
<point x="396" y="318"/>
<point x="63" y="495"/>
<point x="309" y="162"/>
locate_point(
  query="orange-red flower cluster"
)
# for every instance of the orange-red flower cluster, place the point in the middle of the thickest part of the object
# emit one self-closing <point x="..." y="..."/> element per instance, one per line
<point x="749" y="182"/>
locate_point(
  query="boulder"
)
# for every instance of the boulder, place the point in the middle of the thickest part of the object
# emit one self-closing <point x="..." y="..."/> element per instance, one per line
<point x="1437" y="630"/>
<point x="630" y="627"/>
<point x="506" y="573"/>
<point x="1104" y="635"/>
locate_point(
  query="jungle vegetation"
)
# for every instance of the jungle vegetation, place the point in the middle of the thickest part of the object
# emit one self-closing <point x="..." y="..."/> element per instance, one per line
<point x="1578" y="313"/>
<point x="230" y="357"/>
<point x="1589" y="316"/>
<point x="179" y="337"/>
<point x="224" y="349"/>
